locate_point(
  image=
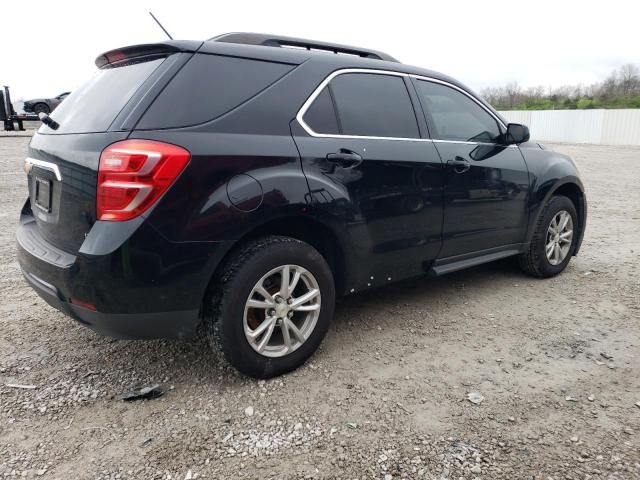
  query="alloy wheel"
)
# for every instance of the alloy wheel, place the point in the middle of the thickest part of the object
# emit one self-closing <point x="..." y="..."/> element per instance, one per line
<point x="559" y="237"/>
<point x="282" y="310"/>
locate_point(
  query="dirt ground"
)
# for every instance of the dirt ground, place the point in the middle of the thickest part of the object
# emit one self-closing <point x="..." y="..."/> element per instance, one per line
<point x="557" y="362"/>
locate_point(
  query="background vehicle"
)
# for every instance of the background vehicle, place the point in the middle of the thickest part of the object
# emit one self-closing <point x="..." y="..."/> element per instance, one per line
<point x="243" y="184"/>
<point x="45" y="105"/>
<point x="8" y="115"/>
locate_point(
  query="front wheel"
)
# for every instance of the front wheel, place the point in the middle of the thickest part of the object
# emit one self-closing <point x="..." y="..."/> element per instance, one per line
<point x="272" y="306"/>
<point x="554" y="239"/>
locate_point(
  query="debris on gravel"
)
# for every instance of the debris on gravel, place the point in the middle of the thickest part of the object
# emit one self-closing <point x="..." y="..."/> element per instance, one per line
<point x="142" y="393"/>
<point x="475" y="398"/>
<point x="15" y="385"/>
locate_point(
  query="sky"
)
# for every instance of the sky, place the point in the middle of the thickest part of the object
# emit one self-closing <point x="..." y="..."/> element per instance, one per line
<point x="50" y="47"/>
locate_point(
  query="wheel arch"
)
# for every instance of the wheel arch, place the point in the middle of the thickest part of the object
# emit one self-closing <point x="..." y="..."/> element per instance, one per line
<point x="572" y="188"/>
<point x="304" y="228"/>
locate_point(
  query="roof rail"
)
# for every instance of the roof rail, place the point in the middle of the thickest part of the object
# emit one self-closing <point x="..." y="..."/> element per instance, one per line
<point x="291" y="42"/>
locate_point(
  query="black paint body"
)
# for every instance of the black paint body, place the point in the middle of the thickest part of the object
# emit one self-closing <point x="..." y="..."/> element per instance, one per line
<point x="254" y="170"/>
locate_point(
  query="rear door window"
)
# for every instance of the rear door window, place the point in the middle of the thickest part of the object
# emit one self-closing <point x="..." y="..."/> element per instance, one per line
<point x="374" y="105"/>
<point x="209" y="86"/>
<point x="94" y="106"/>
<point x="321" y="115"/>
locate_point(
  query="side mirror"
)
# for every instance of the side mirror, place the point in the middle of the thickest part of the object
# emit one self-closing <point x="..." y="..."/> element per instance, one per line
<point x="517" y="133"/>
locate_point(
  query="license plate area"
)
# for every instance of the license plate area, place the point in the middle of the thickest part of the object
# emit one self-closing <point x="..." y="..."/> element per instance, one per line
<point x="43" y="194"/>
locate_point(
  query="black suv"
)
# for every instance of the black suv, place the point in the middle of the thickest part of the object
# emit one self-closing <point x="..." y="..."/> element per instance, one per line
<point x="241" y="183"/>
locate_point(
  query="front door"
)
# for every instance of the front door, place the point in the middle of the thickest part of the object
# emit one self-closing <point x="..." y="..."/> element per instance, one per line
<point x="486" y="183"/>
<point x="371" y="173"/>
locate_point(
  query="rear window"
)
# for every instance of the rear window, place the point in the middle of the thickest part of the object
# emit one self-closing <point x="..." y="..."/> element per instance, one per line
<point x="209" y="86"/>
<point x="94" y="106"/>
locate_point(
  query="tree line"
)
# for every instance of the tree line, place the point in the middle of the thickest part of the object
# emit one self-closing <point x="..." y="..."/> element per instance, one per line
<point x="621" y="89"/>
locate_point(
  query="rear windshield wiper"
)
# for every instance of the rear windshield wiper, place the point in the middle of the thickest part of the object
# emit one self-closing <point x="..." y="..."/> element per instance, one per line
<point x="48" y="121"/>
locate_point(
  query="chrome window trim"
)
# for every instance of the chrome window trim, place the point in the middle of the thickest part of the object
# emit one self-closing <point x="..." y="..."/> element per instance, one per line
<point x="463" y="142"/>
<point x="332" y="75"/>
<point x="324" y="83"/>
<point x="52" y="167"/>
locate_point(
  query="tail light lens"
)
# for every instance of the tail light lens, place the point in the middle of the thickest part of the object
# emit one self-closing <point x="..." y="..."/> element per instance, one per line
<point x="133" y="174"/>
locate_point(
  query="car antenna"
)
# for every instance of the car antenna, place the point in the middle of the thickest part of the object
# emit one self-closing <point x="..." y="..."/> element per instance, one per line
<point x="160" y="25"/>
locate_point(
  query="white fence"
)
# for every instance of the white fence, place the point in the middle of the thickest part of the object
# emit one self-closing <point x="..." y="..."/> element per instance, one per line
<point x="605" y="127"/>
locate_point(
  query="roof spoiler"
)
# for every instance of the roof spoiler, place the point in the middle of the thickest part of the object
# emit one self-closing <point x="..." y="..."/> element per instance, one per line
<point x="291" y="42"/>
<point x="144" y="50"/>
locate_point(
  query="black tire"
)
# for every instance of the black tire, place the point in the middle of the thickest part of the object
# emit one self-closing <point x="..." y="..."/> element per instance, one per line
<point x="224" y="322"/>
<point x="534" y="261"/>
<point x="41" y="107"/>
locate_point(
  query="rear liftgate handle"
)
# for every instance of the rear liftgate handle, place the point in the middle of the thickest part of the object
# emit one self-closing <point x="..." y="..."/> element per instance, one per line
<point x="459" y="164"/>
<point x="345" y="158"/>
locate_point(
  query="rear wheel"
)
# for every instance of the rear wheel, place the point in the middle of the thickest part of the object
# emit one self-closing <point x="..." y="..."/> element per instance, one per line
<point x="41" y="108"/>
<point x="554" y="239"/>
<point x="272" y="306"/>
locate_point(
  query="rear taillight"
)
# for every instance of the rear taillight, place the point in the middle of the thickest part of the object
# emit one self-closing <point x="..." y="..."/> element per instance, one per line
<point x="133" y="174"/>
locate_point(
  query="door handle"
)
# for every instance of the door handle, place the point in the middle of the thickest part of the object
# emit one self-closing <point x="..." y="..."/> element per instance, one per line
<point x="345" y="158"/>
<point x="459" y="164"/>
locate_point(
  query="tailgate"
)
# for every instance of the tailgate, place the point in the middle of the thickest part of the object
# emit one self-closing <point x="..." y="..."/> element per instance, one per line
<point x="62" y="173"/>
<point x="62" y="163"/>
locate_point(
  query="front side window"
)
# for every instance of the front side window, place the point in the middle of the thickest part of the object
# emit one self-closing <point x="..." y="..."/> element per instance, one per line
<point x="366" y="104"/>
<point x="455" y="116"/>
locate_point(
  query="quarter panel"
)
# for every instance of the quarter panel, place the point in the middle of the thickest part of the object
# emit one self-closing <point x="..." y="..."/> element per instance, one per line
<point x="198" y="206"/>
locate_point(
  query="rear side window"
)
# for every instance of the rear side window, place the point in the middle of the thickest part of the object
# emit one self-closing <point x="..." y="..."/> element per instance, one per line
<point x="207" y="87"/>
<point x="94" y="106"/>
<point x="321" y="115"/>
<point x="374" y="105"/>
<point x="455" y="116"/>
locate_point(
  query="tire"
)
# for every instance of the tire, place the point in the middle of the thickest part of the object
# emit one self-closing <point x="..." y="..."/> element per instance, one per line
<point x="41" y="107"/>
<point x="535" y="261"/>
<point x="230" y="319"/>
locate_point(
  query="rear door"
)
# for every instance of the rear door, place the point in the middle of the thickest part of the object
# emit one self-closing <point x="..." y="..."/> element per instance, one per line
<point x="371" y="172"/>
<point x="486" y="182"/>
<point x="63" y="162"/>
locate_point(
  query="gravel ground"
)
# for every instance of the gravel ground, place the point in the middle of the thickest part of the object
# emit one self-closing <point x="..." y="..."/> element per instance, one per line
<point x="556" y="361"/>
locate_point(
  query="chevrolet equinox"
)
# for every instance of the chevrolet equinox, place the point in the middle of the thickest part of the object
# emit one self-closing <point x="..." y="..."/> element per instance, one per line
<point x="241" y="183"/>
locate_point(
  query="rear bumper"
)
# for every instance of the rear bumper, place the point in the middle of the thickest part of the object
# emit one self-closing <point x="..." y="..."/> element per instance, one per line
<point x="140" y="284"/>
<point x="178" y="324"/>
